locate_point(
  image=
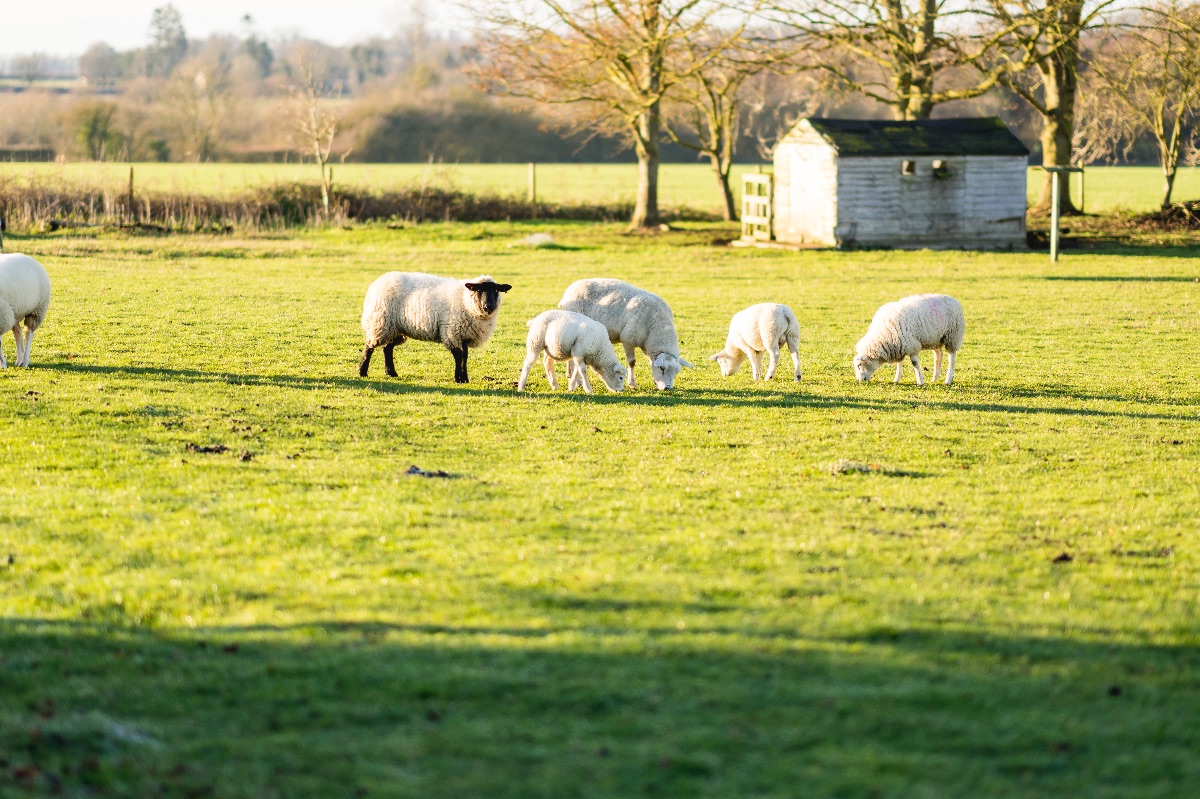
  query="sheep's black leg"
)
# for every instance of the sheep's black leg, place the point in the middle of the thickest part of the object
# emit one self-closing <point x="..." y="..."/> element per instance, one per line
<point x="365" y="363"/>
<point x="460" y="365"/>
<point x="389" y="365"/>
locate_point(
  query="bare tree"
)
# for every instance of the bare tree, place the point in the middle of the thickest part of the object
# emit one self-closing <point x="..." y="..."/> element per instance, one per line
<point x="1042" y="42"/>
<point x="315" y="124"/>
<point x="101" y="65"/>
<point x="200" y="98"/>
<point x="1147" y="79"/>
<point x="910" y="55"/>
<point x="616" y="60"/>
<point x="707" y="108"/>
<point x="776" y="102"/>
<point x="30" y="67"/>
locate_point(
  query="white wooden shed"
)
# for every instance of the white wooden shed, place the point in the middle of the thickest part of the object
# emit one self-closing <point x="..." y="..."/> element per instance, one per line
<point x="939" y="183"/>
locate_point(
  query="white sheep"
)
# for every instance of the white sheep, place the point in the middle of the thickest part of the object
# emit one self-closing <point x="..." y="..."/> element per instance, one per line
<point x="634" y="317"/>
<point x="572" y="337"/>
<point x="458" y="313"/>
<point x="758" y="329"/>
<point x="903" y="328"/>
<point x="24" y="297"/>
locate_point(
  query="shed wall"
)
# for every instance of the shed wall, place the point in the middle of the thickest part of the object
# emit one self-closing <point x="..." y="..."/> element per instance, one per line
<point x="980" y="203"/>
<point x="821" y="198"/>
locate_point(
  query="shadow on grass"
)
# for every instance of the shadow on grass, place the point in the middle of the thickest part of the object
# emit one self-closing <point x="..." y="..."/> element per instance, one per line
<point x="695" y="397"/>
<point x="1127" y="279"/>
<point x="577" y="708"/>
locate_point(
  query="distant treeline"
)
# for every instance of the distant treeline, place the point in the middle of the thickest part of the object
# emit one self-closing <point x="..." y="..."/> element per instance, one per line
<point x="473" y="129"/>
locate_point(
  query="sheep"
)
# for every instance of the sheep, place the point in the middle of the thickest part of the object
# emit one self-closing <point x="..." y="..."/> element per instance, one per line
<point x="572" y="337"/>
<point x="902" y="329"/>
<point x="760" y="328"/>
<point x="24" y="297"/>
<point x="634" y="317"/>
<point x="458" y="313"/>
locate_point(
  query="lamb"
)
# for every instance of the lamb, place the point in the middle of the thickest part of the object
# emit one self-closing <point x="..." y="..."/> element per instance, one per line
<point x="402" y="305"/>
<point x="902" y="329"/>
<point x="634" y="317"/>
<point x="760" y="328"/>
<point x="24" y="297"/>
<point x="572" y="337"/>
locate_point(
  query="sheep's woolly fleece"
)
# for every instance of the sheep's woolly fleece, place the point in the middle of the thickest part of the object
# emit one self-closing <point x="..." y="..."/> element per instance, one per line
<point x="567" y="336"/>
<point x="24" y="299"/>
<point x="635" y="318"/>
<point x="426" y="308"/>
<point x="760" y="328"/>
<point x="903" y="328"/>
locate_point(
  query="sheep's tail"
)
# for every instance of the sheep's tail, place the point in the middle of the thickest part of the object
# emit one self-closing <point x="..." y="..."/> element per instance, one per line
<point x="530" y="322"/>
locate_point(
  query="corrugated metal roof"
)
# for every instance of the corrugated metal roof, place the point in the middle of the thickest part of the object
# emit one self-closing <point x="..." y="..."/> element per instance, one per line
<point x="961" y="136"/>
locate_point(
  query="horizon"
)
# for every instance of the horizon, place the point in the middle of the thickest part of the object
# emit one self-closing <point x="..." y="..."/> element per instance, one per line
<point x="75" y="25"/>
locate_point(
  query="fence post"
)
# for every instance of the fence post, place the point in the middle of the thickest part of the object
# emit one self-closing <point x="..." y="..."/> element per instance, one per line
<point x="1054" y="216"/>
<point x="533" y="211"/>
<point x="132" y="210"/>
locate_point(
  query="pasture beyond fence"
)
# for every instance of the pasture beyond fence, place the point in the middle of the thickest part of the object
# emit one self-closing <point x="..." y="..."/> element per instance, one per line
<point x="220" y="196"/>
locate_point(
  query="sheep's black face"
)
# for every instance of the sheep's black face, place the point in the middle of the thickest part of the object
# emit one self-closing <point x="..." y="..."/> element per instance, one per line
<point x="487" y="296"/>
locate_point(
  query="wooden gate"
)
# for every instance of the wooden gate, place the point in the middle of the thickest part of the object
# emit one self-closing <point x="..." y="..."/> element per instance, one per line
<point x="757" y="206"/>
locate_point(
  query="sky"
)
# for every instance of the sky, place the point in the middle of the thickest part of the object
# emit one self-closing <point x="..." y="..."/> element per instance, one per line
<point x="68" y="27"/>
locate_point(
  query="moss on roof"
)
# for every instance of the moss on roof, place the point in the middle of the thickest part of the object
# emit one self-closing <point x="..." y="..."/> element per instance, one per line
<point x="962" y="136"/>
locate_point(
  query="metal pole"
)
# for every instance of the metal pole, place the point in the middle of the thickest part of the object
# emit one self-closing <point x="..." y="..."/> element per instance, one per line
<point x="1054" y="217"/>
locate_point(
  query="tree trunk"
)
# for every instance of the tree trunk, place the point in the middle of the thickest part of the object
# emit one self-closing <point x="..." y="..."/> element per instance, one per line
<point x="649" y="130"/>
<point x="1168" y="157"/>
<point x="1060" y="83"/>
<point x="1168" y="186"/>
<point x="1056" y="151"/>
<point x="721" y="173"/>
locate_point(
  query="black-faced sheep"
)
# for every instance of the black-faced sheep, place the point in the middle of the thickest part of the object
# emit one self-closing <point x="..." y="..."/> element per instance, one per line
<point x="460" y="314"/>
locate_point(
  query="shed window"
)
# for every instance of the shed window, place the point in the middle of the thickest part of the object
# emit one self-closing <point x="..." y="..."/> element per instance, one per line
<point x="940" y="170"/>
<point x="908" y="168"/>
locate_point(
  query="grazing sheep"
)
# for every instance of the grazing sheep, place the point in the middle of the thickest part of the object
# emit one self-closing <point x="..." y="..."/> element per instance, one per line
<point x="634" y="317"/>
<point x="902" y="329"/>
<point x="403" y="305"/>
<point x="24" y="297"/>
<point x="760" y="328"/>
<point x="572" y="337"/>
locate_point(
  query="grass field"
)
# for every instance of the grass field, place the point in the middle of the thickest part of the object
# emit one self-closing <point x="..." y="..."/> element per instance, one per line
<point x="682" y="185"/>
<point x="611" y="596"/>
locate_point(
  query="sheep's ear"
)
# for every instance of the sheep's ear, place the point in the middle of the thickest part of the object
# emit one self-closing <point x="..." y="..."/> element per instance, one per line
<point x="472" y="286"/>
<point x="503" y="287"/>
<point x="716" y="357"/>
<point x="685" y="364"/>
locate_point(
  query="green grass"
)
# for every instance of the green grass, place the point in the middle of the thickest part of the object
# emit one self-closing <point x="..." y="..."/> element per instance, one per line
<point x="682" y="185"/>
<point x="613" y="596"/>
